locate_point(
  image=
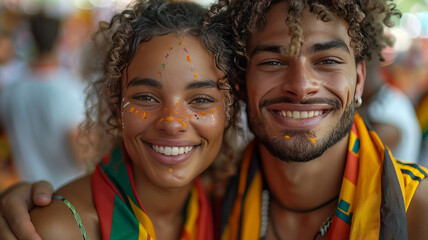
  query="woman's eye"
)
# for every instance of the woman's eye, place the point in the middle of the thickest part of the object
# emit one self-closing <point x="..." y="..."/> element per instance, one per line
<point x="145" y="98"/>
<point x="202" y="100"/>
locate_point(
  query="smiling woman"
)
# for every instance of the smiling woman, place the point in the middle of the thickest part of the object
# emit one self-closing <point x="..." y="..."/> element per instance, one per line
<point x="163" y="103"/>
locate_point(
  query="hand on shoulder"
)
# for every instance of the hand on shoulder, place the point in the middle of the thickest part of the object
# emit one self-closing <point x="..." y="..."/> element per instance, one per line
<point x="56" y="221"/>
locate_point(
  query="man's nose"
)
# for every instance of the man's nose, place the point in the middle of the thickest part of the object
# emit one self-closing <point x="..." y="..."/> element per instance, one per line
<point x="299" y="82"/>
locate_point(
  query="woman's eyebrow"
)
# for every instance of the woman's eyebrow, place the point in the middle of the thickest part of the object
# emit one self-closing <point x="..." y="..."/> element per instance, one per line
<point x="205" y="83"/>
<point x="144" y="81"/>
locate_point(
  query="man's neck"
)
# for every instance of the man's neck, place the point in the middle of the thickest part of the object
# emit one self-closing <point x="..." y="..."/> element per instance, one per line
<point x="309" y="184"/>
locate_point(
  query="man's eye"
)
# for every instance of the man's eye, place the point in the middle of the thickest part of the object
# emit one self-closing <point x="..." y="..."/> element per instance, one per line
<point x="272" y="63"/>
<point x="329" y="61"/>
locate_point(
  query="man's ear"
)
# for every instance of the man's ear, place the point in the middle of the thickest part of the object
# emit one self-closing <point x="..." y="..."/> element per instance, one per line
<point x="361" y="78"/>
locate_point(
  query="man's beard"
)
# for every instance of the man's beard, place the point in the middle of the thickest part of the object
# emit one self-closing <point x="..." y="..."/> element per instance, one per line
<point x="299" y="147"/>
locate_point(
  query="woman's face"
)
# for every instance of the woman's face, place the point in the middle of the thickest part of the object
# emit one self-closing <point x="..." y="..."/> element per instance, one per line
<point x="173" y="114"/>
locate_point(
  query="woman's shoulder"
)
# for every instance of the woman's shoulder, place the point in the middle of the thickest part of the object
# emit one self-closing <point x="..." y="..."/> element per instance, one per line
<point x="58" y="220"/>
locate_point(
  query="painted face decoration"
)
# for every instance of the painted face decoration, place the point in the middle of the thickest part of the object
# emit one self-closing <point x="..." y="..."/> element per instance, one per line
<point x="172" y="110"/>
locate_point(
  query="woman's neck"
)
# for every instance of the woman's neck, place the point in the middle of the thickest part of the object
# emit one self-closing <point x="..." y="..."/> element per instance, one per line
<point x="165" y="207"/>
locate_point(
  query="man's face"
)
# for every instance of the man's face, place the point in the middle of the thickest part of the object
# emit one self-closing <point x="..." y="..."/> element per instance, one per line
<point x="300" y="106"/>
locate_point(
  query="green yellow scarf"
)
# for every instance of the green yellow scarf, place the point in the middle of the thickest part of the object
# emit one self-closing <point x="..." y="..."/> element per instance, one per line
<point x="375" y="193"/>
<point x="121" y="214"/>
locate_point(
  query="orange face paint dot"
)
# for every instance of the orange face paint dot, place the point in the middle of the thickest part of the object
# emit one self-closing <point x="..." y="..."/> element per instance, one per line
<point x="287" y="137"/>
<point x="184" y="124"/>
<point x="131" y="110"/>
<point x="136" y="111"/>
<point x="179" y="120"/>
<point x="161" y="120"/>
<point x="203" y="113"/>
<point x="169" y="118"/>
<point x="195" y="75"/>
<point x="143" y="115"/>
<point x="171" y="170"/>
<point x="188" y="58"/>
<point x="212" y="111"/>
<point x="313" y="140"/>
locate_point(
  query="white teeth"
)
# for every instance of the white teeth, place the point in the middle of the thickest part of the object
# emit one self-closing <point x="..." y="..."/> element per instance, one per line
<point x="304" y="115"/>
<point x="296" y="114"/>
<point x="299" y="114"/>
<point x="171" y="151"/>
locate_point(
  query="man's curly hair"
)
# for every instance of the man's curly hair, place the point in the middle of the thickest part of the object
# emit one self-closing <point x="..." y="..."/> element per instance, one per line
<point x="113" y="48"/>
<point x="366" y="19"/>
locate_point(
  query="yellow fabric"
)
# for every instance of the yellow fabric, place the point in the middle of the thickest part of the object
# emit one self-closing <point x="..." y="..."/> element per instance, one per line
<point x="145" y="225"/>
<point x="364" y="197"/>
<point x="192" y="215"/>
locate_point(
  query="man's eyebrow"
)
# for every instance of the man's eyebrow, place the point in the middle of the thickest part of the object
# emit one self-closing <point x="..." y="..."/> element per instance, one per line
<point x="318" y="47"/>
<point x="144" y="81"/>
<point x="205" y="83"/>
<point x="267" y="48"/>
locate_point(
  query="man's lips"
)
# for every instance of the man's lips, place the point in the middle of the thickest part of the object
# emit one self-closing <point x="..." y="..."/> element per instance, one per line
<point x="299" y="116"/>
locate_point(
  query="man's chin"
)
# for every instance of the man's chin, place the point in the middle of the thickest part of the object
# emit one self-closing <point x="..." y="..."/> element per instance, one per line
<point x="295" y="150"/>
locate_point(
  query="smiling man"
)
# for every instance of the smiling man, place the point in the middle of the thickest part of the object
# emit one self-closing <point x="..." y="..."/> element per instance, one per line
<point x="315" y="170"/>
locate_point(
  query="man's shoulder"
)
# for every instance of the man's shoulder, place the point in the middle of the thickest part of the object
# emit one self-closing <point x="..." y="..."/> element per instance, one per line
<point x="418" y="211"/>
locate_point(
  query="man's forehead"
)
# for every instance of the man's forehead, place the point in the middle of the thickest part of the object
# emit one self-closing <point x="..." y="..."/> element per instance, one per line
<point x="310" y="30"/>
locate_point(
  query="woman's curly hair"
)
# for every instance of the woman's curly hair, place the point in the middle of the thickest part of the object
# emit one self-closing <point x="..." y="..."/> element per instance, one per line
<point x="366" y="19"/>
<point x="113" y="48"/>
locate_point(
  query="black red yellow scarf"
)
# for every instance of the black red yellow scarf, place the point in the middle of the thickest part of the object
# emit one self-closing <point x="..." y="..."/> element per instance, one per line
<point x="121" y="214"/>
<point x="375" y="194"/>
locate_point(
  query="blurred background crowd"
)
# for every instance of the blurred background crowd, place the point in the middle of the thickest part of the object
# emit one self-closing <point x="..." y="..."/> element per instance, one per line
<point x="42" y="96"/>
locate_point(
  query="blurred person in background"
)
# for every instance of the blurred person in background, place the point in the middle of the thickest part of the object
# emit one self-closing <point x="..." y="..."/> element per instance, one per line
<point x="40" y="112"/>
<point x="391" y="114"/>
<point x="422" y="113"/>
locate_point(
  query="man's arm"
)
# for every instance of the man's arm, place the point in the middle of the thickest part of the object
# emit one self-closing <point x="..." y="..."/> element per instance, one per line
<point x="15" y="203"/>
<point x="417" y="213"/>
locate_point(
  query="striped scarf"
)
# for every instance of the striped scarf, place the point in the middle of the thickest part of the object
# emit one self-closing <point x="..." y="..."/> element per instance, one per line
<point x="120" y="213"/>
<point x="375" y="193"/>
